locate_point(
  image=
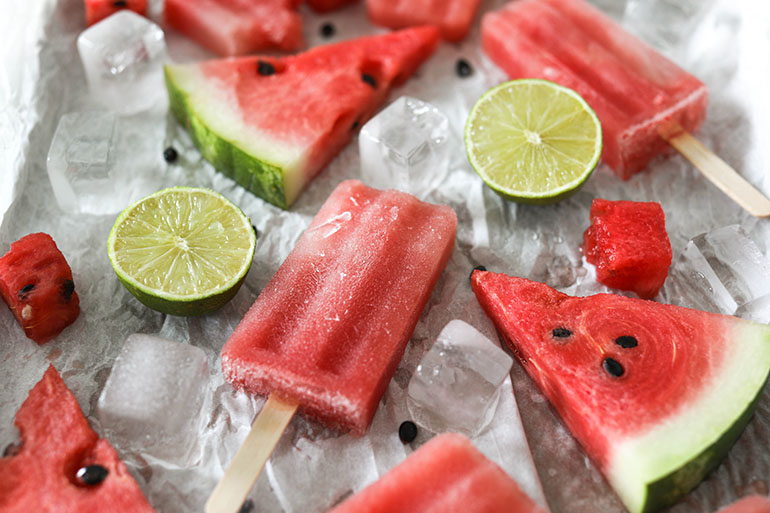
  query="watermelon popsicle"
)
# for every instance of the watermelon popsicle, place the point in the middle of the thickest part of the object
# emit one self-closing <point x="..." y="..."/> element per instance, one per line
<point x="328" y="331"/>
<point x="447" y="475"/>
<point x="644" y="101"/>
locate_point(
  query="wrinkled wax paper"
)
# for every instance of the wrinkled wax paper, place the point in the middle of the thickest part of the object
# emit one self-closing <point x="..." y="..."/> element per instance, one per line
<point x="724" y="42"/>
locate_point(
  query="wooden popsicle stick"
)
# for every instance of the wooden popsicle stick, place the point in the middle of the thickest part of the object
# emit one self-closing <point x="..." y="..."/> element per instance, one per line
<point x="720" y="173"/>
<point x="247" y="465"/>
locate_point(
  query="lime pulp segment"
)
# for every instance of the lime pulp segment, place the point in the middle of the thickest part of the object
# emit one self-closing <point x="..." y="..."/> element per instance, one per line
<point x="533" y="140"/>
<point x="182" y="245"/>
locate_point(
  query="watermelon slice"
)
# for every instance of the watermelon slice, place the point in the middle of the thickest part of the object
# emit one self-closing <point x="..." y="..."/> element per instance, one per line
<point x="273" y="123"/>
<point x="628" y="244"/>
<point x="237" y="27"/>
<point x="328" y="5"/>
<point x="750" y="504"/>
<point x="656" y="394"/>
<point x="97" y="10"/>
<point x="36" y="284"/>
<point x="453" y="17"/>
<point x="42" y="476"/>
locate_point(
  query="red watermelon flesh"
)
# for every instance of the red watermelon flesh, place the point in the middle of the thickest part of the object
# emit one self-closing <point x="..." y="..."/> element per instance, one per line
<point x="656" y="394"/>
<point x="57" y="441"/>
<point x="453" y="17"/>
<point x="328" y="5"/>
<point x="97" y="10"/>
<point x="237" y="27"/>
<point x="272" y="123"/>
<point x="750" y="504"/>
<point x="628" y="244"/>
<point x="36" y="284"/>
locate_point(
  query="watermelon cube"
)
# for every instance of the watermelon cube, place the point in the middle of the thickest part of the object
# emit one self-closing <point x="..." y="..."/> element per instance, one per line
<point x="61" y="465"/>
<point x="328" y="5"/>
<point x="452" y="17"/>
<point x="36" y="284"/>
<point x="237" y="27"/>
<point x="628" y="244"/>
<point x="97" y="10"/>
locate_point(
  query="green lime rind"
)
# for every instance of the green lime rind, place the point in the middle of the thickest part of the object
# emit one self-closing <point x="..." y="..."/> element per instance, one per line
<point x="176" y="304"/>
<point x="256" y="175"/>
<point x="502" y="153"/>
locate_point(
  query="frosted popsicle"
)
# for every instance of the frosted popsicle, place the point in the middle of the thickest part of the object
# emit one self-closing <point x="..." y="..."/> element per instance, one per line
<point x="446" y="475"/>
<point x="330" y="328"/>
<point x="635" y="91"/>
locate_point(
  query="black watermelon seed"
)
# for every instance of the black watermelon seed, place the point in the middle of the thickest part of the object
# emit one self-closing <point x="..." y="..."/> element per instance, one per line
<point x="248" y="505"/>
<point x="561" y="332"/>
<point x="67" y="289"/>
<point x="463" y="68"/>
<point x="92" y="474"/>
<point x="120" y="3"/>
<point x="477" y="268"/>
<point x="613" y="367"/>
<point x="626" y="341"/>
<point x="265" y="69"/>
<point x="170" y="154"/>
<point x="13" y="448"/>
<point x="354" y="125"/>
<point x="26" y="289"/>
<point x="407" y="431"/>
<point x="366" y="77"/>
<point x="328" y="30"/>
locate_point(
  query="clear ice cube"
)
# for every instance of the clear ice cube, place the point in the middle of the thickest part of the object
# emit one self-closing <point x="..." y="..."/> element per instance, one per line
<point x="666" y="24"/>
<point x="456" y="386"/>
<point x="718" y="271"/>
<point x="123" y="58"/>
<point x="153" y="399"/>
<point x="405" y="147"/>
<point x="98" y="163"/>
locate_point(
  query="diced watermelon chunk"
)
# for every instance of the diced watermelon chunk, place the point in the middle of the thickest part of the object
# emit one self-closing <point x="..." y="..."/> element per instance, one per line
<point x="750" y="504"/>
<point x="628" y="244"/>
<point x="272" y="123"/>
<point x="56" y="442"/>
<point x="328" y="5"/>
<point x="453" y="17"/>
<point x="36" y="284"/>
<point x="237" y="27"/>
<point x="97" y="10"/>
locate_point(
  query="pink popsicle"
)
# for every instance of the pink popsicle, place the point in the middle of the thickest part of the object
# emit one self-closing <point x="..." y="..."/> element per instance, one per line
<point x="750" y="504"/>
<point x="330" y="328"/>
<point x="636" y="92"/>
<point x="446" y="475"/>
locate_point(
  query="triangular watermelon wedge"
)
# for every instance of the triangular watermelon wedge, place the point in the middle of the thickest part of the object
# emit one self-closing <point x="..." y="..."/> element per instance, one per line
<point x="273" y="123"/>
<point x="41" y="476"/>
<point x="656" y="394"/>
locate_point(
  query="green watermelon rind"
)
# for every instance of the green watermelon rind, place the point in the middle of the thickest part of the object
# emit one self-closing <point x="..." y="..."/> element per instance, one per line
<point x="263" y="178"/>
<point x="670" y="484"/>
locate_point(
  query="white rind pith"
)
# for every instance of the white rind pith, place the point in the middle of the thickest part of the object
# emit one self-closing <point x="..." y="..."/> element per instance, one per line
<point x="218" y="108"/>
<point x="645" y="458"/>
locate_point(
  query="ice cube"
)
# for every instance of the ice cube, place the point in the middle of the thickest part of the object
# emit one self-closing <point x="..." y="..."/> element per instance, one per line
<point x="666" y="24"/>
<point x="299" y="469"/>
<point x="153" y="399"/>
<point x="456" y="386"/>
<point x="405" y="147"/>
<point x="718" y="272"/>
<point x="99" y="163"/>
<point x="123" y="58"/>
<point x="757" y="310"/>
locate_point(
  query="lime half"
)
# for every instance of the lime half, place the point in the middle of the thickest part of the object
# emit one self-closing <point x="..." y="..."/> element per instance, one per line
<point x="533" y="141"/>
<point x="182" y="251"/>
